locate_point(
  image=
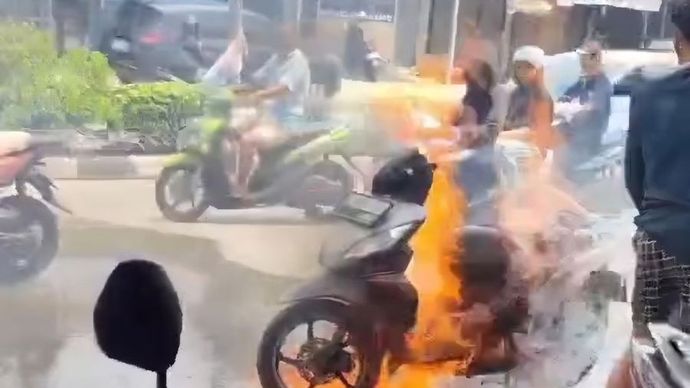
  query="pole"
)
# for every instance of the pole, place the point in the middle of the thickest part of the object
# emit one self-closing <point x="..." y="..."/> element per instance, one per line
<point x="664" y="15"/>
<point x="645" y="28"/>
<point x="299" y="11"/>
<point x="453" y="39"/>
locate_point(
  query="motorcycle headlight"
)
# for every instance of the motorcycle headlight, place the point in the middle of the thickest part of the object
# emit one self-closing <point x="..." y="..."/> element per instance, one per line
<point x="379" y="242"/>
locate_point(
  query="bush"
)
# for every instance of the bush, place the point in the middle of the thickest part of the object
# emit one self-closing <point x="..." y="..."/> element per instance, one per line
<point x="157" y="108"/>
<point x="39" y="89"/>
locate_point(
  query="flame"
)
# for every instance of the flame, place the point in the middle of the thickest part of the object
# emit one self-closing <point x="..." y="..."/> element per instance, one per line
<point x="437" y="340"/>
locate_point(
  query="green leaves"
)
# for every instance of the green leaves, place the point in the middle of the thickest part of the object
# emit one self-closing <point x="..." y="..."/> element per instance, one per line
<point x="41" y="90"/>
<point x="161" y="108"/>
<point x="38" y="89"/>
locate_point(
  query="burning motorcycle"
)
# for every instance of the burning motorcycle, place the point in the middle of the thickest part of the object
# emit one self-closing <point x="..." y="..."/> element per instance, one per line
<point x="28" y="228"/>
<point x="359" y="316"/>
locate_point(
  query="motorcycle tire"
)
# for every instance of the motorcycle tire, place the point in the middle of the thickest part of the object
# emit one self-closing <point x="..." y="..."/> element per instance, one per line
<point x="333" y="172"/>
<point x="169" y="212"/>
<point x="31" y="211"/>
<point x="315" y="310"/>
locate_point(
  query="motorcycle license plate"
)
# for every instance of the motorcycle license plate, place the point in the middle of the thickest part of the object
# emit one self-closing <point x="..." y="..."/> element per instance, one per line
<point x="120" y="45"/>
<point x="363" y="209"/>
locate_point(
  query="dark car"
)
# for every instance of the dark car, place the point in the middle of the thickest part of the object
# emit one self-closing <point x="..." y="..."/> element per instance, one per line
<point x="148" y="35"/>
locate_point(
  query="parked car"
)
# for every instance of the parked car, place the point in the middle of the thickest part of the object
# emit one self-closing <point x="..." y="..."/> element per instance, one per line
<point x="149" y="35"/>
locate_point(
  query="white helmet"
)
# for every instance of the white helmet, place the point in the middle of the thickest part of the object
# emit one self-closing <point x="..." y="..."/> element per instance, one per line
<point x="530" y="54"/>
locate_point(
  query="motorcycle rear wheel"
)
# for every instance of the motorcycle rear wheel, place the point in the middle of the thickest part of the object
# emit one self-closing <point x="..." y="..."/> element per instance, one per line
<point x="270" y="354"/>
<point x="169" y="210"/>
<point x="31" y="212"/>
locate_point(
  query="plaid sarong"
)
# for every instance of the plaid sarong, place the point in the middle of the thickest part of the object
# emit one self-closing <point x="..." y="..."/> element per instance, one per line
<point x="662" y="287"/>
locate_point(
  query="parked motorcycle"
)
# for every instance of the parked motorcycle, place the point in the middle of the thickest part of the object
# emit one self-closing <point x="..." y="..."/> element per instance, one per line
<point x="363" y="307"/>
<point x="298" y="172"/>
<point x="28" y="228"/>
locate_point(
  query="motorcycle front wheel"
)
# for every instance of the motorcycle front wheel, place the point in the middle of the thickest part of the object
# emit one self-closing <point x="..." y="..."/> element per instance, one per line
<point x="30" y="243"/>
<point x="318" y="343"/>
<point x="180" y="194"/>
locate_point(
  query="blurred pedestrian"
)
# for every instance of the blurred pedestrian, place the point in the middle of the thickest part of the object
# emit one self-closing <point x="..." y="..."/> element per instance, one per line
<point x="530" y="107"/>
<point x="358" y="64"/>
<point x="588" y="106"/>
<point x="656" y="165"/>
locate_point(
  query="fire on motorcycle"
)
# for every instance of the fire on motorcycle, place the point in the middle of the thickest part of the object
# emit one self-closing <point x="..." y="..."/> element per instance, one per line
<point x="28" y="228"/>
<point x="363" y="319"/>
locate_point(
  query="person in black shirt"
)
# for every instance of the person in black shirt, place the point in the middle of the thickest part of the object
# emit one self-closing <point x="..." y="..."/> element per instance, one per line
<point x="477" y="103"/>
<point x="657" y="161"/>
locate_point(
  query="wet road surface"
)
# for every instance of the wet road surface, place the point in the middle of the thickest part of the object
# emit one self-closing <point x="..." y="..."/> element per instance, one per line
<point x="46" y="336"/>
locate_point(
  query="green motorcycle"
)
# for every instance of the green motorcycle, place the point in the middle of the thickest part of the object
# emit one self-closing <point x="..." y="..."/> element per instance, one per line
<point x="299" y="172"/>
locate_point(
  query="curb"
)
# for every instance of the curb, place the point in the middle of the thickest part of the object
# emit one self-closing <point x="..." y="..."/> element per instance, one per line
<point x="104" y="167"/>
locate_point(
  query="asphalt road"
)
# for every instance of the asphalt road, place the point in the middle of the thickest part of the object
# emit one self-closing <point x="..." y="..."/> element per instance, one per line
<point x="46" y="336"/>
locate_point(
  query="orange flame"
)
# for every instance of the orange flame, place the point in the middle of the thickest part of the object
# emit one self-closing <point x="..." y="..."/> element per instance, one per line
<point x="437" y="341"/>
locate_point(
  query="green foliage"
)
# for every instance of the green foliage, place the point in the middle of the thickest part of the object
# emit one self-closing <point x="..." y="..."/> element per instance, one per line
<point x="40" y="89"/>
<point x="161" y="108"/>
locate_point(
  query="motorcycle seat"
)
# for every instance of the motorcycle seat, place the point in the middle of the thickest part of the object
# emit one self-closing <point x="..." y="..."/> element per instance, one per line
<point x="14" y="141"/>
<point x="292" y="142"/>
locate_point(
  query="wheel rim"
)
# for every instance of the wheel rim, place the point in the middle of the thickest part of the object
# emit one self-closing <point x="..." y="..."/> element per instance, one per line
<point x="184" y="190"/>
<point x="317" y="353"/>
<point x="19" y="249"/>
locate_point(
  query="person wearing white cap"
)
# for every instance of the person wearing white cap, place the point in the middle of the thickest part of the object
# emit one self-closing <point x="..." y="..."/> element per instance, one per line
<point x="530" y="106"/>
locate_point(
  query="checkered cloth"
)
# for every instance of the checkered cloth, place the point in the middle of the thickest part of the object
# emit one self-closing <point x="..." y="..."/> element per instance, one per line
<point x="662" y="287"/>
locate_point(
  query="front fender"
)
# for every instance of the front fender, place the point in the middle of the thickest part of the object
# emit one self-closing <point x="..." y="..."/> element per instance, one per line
<point x="330" y="287"/>
<point x="44" y="186"/>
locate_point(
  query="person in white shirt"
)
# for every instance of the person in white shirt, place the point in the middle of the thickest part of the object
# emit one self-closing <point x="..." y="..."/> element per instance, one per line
<point x="284" y="79"/>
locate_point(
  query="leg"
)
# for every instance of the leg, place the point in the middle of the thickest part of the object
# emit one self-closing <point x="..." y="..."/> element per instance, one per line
<point x="263" y="135"/>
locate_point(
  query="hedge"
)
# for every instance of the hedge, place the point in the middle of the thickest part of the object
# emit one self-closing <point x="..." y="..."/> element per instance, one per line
<point x="41" y="90"/>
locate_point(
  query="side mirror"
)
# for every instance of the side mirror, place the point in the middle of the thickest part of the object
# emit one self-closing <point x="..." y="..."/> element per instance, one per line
<point x="138" y="319"/>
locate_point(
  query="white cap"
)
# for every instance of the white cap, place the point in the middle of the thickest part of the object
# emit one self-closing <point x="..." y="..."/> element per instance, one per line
<point x="530" y="54"/>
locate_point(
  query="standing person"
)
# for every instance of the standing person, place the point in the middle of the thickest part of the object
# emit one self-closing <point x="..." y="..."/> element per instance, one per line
<point x="478" y="101"/>
<point x="356" y="53"/>
<point x="591" y="98"/>
<point x="228" y="67"/>
<point x="656" y="165"/>
<point x="530" y="107"/>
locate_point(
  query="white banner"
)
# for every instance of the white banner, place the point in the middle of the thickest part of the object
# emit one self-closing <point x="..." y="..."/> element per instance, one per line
<point x="640" y="5"/>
